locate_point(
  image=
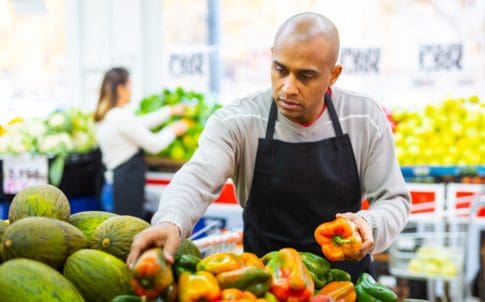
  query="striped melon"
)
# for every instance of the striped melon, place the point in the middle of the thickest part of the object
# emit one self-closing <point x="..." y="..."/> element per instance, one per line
<point x="29" y="280"/>
<point x="47" y="240"/>
<point x="99" y="276"/>
<point x="88" y="221"/>
<point x="43" y="200"/>
<point x="115" y="235"/>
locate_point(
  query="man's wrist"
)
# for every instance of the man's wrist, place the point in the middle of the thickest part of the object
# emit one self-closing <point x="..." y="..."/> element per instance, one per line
<point x="174" y="224"/>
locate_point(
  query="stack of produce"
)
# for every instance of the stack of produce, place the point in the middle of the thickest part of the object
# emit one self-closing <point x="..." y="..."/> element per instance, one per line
<point x="55" y="256"/>
<point x="198" y="111"/>
<point x="448" y="133"/>
<point x="61" y="132"/>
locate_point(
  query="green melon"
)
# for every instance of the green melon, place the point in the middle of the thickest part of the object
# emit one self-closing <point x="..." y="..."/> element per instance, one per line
<point x="88" y="221"/>
<point x="43" y="239"/>
<point x="29" y="280"/>
<point x="3" y="227"/>
<point x="43" y="200"/>
<point x="99" y="276"/>
<point x="115" y="235"/>
<point x="187" y="247"/>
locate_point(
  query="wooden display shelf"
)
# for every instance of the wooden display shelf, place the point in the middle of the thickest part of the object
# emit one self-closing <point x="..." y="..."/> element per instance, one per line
<point x="162" y="164"/>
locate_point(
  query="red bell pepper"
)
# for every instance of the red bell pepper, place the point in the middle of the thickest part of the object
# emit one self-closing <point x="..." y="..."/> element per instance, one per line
<point x="291" y="279"/>
<point x="151" y="274"/>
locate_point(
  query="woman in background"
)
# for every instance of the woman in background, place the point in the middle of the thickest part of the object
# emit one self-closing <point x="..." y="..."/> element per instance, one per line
<point x="122" y="136"/>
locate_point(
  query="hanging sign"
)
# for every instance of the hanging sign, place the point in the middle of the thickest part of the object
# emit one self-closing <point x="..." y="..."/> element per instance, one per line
<point x="361" y="60"/>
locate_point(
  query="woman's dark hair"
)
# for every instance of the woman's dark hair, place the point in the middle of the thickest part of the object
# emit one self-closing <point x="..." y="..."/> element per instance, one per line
<point x="108" y="95"/>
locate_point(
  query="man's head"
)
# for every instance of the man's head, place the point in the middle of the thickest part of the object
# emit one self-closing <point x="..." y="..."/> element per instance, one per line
<point x="304" y="57"/>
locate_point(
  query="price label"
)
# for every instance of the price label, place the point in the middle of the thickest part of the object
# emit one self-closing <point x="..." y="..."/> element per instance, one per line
<point x="22" y="172"/>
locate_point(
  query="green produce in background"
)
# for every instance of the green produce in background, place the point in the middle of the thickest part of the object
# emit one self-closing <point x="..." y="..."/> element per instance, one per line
<point x="198" y="111"/>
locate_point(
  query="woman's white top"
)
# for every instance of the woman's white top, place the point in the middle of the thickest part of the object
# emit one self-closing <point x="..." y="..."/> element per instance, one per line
<point x="121" y="134"/>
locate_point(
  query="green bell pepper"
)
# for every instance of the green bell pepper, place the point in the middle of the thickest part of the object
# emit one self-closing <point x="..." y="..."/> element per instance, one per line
<point x="248" y="278"/>
<point x="185" y="263"/>
<point x="369" y="290"/>
<point x="318" y="267"/>
<point x="339" y="275"/>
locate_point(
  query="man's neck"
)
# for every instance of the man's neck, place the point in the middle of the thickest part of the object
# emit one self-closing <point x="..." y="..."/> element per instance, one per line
<point x="308" y="124"/>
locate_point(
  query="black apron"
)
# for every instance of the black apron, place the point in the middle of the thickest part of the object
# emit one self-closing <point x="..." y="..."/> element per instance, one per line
<point x="298" y="186"/>
<point x="129" y="186"/>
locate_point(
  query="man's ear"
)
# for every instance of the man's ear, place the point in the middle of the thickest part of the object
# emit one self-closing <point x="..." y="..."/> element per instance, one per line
<point x="336" y="71"/>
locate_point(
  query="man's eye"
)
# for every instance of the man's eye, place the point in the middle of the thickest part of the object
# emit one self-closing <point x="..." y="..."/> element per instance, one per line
<point x="279" y="69"/>
<point x="306" y="76"/>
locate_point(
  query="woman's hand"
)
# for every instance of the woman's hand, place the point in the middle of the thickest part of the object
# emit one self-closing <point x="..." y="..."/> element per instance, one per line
<point x="179" y="127"/>
<point x="178" y="109"/>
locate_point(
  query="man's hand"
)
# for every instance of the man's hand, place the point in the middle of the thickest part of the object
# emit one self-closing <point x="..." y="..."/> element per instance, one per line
<point x="365" y="231"/>
<point x="166" y="235"/>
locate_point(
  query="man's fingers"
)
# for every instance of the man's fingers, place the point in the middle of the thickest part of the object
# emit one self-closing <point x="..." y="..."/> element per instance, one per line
<point x="141" y="242"/>
<point x="363" y="228"/>
<point x="170" y="247"/>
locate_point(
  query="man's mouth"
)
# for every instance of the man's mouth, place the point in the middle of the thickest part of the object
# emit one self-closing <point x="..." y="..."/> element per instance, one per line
<point x="289" y="104"/>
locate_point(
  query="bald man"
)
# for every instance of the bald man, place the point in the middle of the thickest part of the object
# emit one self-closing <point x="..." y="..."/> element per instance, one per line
<point x="300" y="154"/>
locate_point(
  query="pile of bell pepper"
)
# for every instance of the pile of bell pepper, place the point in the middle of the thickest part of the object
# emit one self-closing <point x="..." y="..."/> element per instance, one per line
<point x="283" y="275"/>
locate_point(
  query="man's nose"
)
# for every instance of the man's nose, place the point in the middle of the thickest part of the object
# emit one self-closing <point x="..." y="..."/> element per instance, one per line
<point x="290" y="86"/>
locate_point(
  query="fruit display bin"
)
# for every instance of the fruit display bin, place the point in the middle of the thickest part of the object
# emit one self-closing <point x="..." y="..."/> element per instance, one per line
<point x="437" y="257"/>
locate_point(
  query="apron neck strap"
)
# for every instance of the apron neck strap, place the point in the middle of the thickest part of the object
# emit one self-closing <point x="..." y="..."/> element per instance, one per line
<point x="333" y="115"/>
<point x="273" y="114"/>
<point x="271" y="120"/>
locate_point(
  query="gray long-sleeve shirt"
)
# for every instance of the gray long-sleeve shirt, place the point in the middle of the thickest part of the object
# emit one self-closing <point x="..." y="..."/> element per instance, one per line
<point x="228" y="146"/>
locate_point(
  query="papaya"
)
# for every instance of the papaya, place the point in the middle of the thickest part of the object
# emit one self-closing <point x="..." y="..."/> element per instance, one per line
<point x="30" y="280"/>
<point x="88" y="221"/>
<point x="42" y="200"/>
<point x="115" y="235"/>
<point x="98" y="275"/>
<point x="43" y="239"/>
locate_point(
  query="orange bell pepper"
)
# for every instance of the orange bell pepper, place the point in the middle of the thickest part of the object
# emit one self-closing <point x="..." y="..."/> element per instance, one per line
<point x="340" y="291"/>
<point x="338" y="239"/>
<point x="251" y="259"/>
<point x="199" y="286"/>
<point x="291" y="279"/>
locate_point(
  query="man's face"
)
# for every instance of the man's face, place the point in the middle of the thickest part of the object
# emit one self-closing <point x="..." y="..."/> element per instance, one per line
<point x="300" y="75"/>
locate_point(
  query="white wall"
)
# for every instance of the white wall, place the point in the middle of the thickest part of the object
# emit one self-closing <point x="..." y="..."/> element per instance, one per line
<point x="107" y="33"/>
